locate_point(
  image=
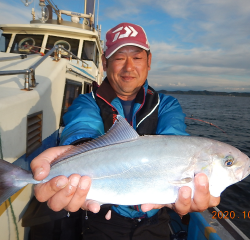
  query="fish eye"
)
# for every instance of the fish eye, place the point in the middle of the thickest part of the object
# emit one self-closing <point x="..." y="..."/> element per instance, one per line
<point x="229" y="160"/>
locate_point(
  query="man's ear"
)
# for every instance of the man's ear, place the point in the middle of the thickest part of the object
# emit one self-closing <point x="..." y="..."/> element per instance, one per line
<point x="149" y="60"/>
<point x="104" y="62"/>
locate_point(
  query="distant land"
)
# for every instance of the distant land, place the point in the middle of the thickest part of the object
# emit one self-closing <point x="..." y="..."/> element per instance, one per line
<point x="205" y="92"/>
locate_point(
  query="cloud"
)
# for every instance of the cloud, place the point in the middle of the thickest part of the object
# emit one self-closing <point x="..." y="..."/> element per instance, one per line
<point x="208" y="22"/>
<point x="236" y="89"/>
<point x="152" y="22"/>
<point x="195" y="43"/>
<point x="165" y="54"/>
<point x="212" y="68"/>
<point x="156" y="85"/>
<point x="193" y="82"/>
<point x="176" y="8"/>
<point x="210" y="42"/>
<point x="199" y="68"/>
<point x="122" y="10"/>
<point x="14" y="12"/>
<point x="213" y="23"/>
<point x="177" y="84"/>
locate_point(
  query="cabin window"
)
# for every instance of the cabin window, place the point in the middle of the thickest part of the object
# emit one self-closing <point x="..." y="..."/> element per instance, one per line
<point x="90" y="52"/>
<point x="72" y="91"/>
<point x="27" y="43"/>
<point x="68" y="43"/>
<point x="34" y="132"/>
<point x="97" y="58"/>
<point x="87" y="87"/>
<point x="4" y="42"/>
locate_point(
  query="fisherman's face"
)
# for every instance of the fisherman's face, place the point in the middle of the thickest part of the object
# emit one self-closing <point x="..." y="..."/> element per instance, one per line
<point x="127" y="70"/>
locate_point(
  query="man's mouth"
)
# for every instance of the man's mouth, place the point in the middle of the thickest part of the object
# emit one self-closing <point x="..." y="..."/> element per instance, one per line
<point x="127" y="78"/>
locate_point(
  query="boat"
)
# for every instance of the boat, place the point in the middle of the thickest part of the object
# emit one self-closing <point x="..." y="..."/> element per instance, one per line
<point x="44" y="66"/>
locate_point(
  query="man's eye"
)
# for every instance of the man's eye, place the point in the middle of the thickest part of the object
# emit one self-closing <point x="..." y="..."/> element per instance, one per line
<point x="137" y="58"/>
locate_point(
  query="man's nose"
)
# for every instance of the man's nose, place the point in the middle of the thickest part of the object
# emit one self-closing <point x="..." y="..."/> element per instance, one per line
<point x="129" y="64"/>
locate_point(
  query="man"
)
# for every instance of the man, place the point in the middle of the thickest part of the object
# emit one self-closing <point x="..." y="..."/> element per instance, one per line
<point x="125" y="91"/>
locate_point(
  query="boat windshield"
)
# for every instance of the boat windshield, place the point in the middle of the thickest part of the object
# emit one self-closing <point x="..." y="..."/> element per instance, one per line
<point x="68" y="43"/>
<point x="4" y="41"/>
<point x="27" y="43"/>
<point x="32" y="43"/>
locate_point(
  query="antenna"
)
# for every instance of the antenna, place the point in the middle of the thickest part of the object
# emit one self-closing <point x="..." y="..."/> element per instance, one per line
<point x="97" y="13"/>
<point x="85" y="7"/>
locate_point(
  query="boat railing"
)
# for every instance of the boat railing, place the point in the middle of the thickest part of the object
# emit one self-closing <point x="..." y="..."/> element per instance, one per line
<point x="29" y="74"/>
<point x="5" y="59"/>
<point x="71" y="55"/>
<point x="22" y="56"/>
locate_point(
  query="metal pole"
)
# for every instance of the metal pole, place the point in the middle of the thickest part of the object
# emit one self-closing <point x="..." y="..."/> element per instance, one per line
<point x="33" y="78"/>
<point x="13" y="58"/>
<point x="59" y="52"/>
<point x="14" y="72"/>
<point x="43" y="58"/>
<point x="26" y="83"/>
<point x="97" y="14"/>
<point x="30" y="73"/>
<point x="85" y="7"/>
<point x="55" y="53"/>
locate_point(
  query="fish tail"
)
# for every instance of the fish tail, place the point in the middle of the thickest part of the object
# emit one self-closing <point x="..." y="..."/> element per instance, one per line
<point x="9" y="184"/>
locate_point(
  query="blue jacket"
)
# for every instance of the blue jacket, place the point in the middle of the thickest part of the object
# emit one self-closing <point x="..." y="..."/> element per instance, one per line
<point x="83" y="120"/>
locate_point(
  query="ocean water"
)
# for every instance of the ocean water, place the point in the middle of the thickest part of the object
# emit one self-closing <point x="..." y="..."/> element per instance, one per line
<point x="232" y="115"/>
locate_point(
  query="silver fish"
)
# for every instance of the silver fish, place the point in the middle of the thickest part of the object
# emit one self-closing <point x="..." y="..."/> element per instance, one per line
<point x="128" y="169"/>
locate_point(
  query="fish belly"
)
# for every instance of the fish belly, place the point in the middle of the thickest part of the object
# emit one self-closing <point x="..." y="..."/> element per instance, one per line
<point x="146" y="170"/>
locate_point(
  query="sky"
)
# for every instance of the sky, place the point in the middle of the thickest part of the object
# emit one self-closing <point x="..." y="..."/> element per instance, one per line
<point x="195" y="44"/>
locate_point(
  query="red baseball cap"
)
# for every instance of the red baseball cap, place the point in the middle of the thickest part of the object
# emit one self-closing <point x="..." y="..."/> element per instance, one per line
<point x="125" y="34"/>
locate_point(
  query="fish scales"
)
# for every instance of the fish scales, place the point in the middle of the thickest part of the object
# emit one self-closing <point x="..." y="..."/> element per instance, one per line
<point x="131" y="169"/>
<point x="145" y="163"/>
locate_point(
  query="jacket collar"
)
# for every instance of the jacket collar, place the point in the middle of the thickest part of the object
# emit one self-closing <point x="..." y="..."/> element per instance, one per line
<point x="107" y="92"/>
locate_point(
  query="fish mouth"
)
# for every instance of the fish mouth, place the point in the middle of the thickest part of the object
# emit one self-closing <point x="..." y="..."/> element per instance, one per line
<point x="247" y="170"/>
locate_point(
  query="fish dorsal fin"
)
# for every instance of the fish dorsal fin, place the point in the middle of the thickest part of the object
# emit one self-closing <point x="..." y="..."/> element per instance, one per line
<point x="120" y="132"/>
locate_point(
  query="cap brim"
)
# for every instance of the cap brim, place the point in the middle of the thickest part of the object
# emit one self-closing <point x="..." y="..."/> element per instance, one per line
<point x="113" y="49"/>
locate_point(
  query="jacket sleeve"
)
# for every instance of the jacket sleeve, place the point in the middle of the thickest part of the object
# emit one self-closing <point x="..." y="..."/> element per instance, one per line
<point x="82" y="120"/>
<point x="171" y="119"/>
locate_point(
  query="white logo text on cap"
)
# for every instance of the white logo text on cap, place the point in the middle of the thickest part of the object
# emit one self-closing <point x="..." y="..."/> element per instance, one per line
<point x="128" y="29"/>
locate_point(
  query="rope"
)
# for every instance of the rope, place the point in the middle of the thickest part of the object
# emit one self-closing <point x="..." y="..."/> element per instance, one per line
<point x="1" y="151"/>
<point x="211" y="124"/>
<point x="14" y="219"/>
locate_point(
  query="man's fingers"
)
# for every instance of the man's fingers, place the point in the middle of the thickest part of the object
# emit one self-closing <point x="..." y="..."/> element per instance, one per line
<point x="147" y="207"/>
<point x="44" y="191"/>
<point x="83" y="185"/>
<point x="60" y="192"/>
<point x="201" y="194"/>
<point x="183" y="202"/>
<point x="201" y="199"/>
<point x="91" y="205"/>
<point x="214" y="201"/>
<point x="40" y="165"/>
<point x="62" y="198"/>
<point x="108" y="215"/>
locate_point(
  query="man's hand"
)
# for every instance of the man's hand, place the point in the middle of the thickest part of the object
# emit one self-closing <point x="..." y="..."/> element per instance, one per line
<point x="184" y="204"/>
<point x="61" y="192"/>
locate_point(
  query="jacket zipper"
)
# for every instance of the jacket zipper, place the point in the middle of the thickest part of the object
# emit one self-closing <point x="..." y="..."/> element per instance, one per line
<point x="139" y="108"/>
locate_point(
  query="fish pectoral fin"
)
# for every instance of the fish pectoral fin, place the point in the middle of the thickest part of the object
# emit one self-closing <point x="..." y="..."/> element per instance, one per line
<point x="182" y="181"/>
